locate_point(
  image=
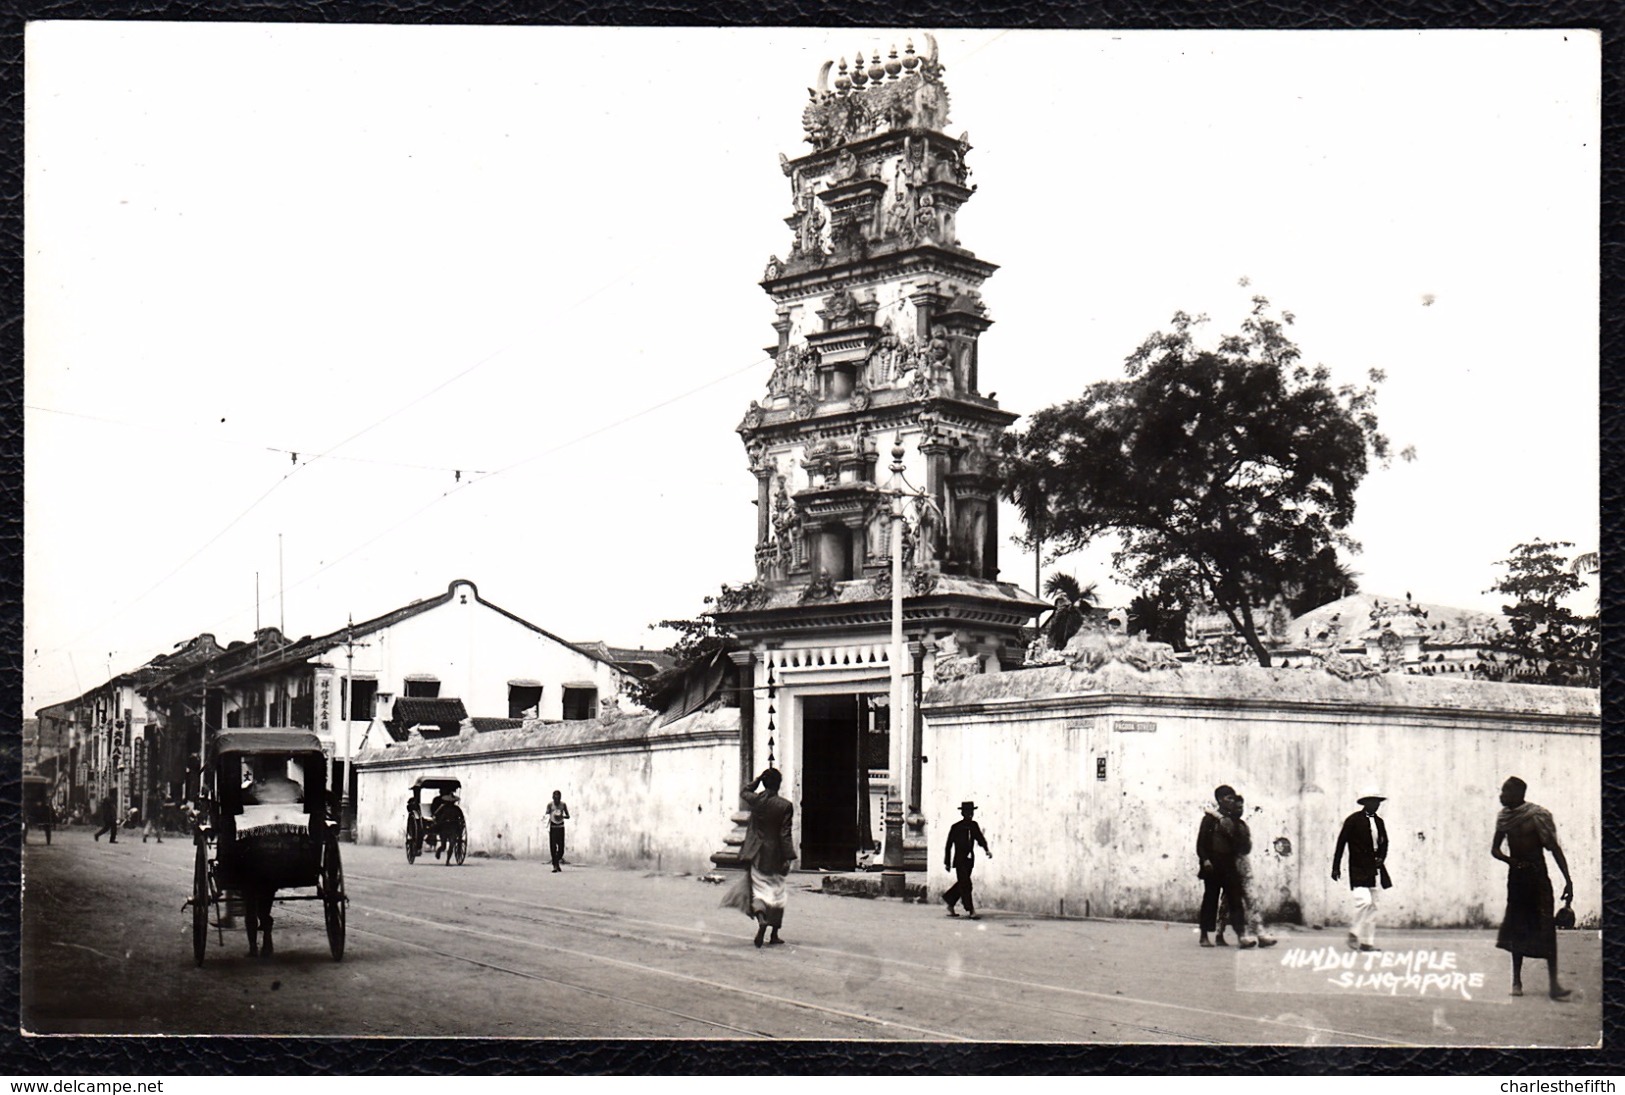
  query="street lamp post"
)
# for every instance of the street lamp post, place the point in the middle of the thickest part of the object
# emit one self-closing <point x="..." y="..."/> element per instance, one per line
<point x="899" y="487"/>
<point x="346" y="806"/>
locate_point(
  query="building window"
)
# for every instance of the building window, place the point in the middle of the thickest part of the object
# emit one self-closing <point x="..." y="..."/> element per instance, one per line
<point x="362" y="694"/>
<point x="422" y="687"/>
<point x="524" y="698"/>
<point x="580" y="703"/>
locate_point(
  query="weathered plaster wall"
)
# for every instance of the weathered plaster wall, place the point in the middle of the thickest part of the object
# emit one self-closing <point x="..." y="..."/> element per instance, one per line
<point x="638" y="795"/>
<point x="1299" y="745"/>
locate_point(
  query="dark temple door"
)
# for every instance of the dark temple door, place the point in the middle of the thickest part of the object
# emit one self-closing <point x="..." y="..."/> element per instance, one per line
<point x="829" y="782"/>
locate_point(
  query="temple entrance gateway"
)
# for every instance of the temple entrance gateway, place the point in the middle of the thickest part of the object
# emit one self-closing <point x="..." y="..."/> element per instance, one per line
<point x="844" y="745"/>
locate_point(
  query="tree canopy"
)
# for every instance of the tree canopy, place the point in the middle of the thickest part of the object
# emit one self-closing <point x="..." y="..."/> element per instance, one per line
<point x="1546" y="641"/>
<point x="1230" y="472"/>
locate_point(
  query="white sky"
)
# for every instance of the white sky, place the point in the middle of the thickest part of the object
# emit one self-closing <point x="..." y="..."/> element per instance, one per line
<point x="405" y="251"/>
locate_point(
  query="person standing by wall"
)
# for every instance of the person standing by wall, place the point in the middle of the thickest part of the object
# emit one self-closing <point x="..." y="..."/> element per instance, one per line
<point x="959" y="856"/>
<point x="1216" y="856"/>
<point x="1233" y="819"/>
<point x="557" y="814"/>
<point x="1528" y="929"/>
<point x="1366" y="838"/>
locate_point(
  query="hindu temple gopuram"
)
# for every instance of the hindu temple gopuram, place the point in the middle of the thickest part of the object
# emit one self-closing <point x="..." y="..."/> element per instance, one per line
<point x="878" y="315"/>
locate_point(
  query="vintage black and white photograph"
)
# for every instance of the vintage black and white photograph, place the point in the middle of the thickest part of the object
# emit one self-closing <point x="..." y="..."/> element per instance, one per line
<point x="913" y="535"/>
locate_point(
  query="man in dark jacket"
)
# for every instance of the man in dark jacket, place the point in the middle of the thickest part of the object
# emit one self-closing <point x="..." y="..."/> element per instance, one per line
<point x="1216" y="855"/>
<point x="109" y="817"/>
<point x="769" y="850"/>
<point x="1366" y="838"/>
<point x="959" y="856"/>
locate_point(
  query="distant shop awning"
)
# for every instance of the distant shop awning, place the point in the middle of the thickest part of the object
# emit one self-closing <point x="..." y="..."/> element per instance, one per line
<point x="579" y="684"/>
<point x="524" y="682"/>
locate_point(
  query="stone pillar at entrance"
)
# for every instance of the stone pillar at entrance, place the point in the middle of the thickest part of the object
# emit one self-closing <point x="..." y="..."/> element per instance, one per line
<point x="745" y="667"/>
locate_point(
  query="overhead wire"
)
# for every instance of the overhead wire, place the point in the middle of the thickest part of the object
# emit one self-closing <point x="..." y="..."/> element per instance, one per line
<point x="461" y="484"/>
<point x="620" y="276"/>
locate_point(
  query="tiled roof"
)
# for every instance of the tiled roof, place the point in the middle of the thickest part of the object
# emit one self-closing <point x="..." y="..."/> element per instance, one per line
<point x="486" y="725"/>
<point x="435" y="717"/>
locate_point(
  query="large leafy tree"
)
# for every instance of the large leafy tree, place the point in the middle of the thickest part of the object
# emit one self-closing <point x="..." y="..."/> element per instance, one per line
<point x="1545" y="640"/>
<point x="1228" y="470"/>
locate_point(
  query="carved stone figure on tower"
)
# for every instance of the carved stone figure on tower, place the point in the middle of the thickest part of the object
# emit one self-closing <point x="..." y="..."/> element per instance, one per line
<point x="925" y="219"/>
<point x="840" y="310"/>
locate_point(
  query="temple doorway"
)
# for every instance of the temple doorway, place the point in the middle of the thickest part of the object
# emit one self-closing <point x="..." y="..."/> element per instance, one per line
<point x="845" y="743"/>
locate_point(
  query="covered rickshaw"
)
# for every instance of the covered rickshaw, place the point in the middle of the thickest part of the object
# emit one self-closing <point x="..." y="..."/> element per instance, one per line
<point x="438" y="823"/>
<point x="38" y="812"/>
<point x="266" y="829"/>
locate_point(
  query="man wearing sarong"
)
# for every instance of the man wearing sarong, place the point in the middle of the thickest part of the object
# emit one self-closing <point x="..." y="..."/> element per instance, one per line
<point x="769" y="852"/>
<point x="1528" y="930"/>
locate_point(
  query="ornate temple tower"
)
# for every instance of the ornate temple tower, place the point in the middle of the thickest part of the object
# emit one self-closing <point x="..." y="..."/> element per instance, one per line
<point x="878" y="314"/>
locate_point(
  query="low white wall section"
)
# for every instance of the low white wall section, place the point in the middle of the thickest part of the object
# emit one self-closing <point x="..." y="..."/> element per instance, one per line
<point x="638" y="794"/>
<point x="1300" y="745"/>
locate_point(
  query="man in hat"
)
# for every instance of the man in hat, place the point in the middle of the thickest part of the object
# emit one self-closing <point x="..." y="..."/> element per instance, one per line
<point x="1216" y="855"/>
<point x="1366" y="838"/>
<point x="959" y="856"/>
<point x="443" y="798"/>
<point x="1528" y="929"/>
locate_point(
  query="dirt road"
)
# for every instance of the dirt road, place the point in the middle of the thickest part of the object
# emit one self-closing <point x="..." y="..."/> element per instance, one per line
<point x="509" y="949"/>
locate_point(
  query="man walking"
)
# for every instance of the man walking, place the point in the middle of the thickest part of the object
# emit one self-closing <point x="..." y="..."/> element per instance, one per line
<point x="109" y="814"/>
<point x="1366" y="838"/>
<point x="1528" y="929"/>
<point x="768" y="851"/>
<point x="557" y="814"/>
<point x="959" y="856"/>
<point x="1216" y="856"/>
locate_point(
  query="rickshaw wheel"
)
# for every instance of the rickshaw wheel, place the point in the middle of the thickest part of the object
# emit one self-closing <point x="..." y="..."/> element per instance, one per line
<point x="411" y="847"/>
<point x="332" y="890"/>
<point x="200" y="904"/>
<point x="462" y="848"/>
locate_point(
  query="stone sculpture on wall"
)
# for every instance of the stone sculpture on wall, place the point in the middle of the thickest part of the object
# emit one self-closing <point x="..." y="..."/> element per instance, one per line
<point x="1093" y="648"/>
<point x="821" y="588"/>
<point x="953" y="664"/>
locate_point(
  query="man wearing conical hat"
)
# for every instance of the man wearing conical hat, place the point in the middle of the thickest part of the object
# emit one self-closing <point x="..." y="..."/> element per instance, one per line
<point x="1366" y="838"/>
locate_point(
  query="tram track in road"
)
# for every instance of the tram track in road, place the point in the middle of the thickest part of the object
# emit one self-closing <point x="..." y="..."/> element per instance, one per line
<point x="441" y="927"/>
<point x="571" y="919"/>
<point x="1047" y="1001"/>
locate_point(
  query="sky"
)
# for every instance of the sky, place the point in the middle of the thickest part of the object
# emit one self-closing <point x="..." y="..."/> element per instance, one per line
<point x="322" y="318"/>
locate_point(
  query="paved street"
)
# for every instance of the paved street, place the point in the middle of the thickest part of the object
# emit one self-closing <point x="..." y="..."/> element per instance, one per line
<point x="507" y="948"/>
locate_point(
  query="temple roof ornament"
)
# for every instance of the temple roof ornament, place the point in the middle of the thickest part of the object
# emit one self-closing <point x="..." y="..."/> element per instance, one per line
<point x="876" y="97"/>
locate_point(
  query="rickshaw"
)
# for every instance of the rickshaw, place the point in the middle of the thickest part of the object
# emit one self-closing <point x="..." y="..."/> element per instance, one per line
<point x="445" y="830"/>
<point x="37" y="809"/>
<point x="265" y="828"/>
